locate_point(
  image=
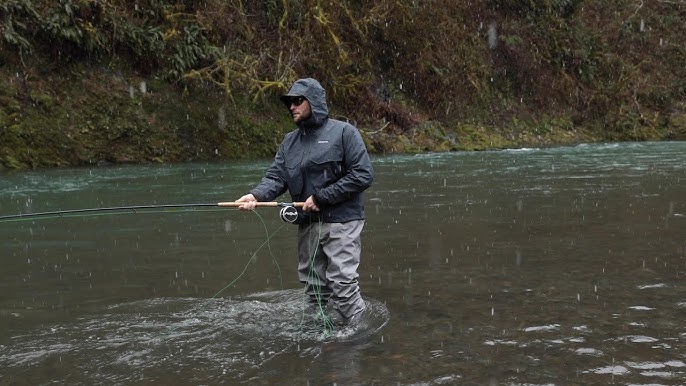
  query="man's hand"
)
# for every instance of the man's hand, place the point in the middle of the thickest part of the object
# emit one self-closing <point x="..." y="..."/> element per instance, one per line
<point x="248" y="201"/>
<point x="310" y="206"/>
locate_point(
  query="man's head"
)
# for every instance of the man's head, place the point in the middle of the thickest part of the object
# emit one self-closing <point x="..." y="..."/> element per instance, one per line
<point x="299" y="107"/>
<point x="306" y="101"/>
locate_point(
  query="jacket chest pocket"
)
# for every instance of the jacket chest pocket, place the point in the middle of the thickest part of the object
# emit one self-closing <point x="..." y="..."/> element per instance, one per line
<point x="326" y="164"/>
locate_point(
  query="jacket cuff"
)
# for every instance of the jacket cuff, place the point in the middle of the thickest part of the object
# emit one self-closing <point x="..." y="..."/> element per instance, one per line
<point x="317" y="200"/>
<point x="257" y="196"/>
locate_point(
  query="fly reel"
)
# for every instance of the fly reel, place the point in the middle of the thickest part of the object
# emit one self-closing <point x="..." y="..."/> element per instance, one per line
<point x="289" y="214"/>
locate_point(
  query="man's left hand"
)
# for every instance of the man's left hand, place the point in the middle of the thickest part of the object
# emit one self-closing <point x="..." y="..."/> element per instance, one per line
<point x="310" y="206"/>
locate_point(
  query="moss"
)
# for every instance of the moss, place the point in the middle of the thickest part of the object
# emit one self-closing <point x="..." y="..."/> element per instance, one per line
<point x="475" y="137"/>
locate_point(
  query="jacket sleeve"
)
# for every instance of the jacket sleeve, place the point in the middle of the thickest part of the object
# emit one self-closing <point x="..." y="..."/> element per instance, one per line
<point x="273" y="184"/>
<point x="358" y="175"/>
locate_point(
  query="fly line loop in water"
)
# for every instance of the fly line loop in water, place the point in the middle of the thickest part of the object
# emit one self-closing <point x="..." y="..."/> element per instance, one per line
<point x="288" y="212"/>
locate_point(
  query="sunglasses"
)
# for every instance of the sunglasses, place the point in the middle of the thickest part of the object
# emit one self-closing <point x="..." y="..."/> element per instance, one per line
<point x="294" y="101"/>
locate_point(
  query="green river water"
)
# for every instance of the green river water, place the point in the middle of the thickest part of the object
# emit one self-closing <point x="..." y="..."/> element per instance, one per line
<point x="561" y="266"/>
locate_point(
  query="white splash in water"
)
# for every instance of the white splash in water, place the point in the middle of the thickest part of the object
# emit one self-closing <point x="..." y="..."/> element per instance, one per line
<point x="641" y="308"/>
<point x="550" y="327"/>
<point x="636" y="339"/>
<point x="649" y="286"/>
<point x="588" y="351"/>
<point x="614" y="370"/>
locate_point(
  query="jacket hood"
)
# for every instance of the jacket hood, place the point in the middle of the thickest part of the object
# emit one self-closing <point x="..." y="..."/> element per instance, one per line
<point x="316" y="96"/>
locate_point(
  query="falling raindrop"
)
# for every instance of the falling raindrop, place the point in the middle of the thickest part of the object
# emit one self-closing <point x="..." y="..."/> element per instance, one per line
<point x="492" y="36"/>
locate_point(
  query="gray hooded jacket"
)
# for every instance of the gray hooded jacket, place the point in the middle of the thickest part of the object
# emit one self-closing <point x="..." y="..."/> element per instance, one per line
<point x="323" y="157"/>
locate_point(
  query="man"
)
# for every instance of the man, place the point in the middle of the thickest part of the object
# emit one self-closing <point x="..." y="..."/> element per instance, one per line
<point x="324" y="163"/>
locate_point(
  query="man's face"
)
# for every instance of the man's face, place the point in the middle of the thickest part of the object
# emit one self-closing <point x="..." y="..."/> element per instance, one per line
<point x="300" y="109"/>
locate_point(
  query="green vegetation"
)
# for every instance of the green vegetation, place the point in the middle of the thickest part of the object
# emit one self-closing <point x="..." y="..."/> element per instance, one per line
<point x="112" y="81"/>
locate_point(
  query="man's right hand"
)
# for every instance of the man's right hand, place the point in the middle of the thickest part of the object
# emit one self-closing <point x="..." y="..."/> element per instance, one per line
<point x="248" y="201"/>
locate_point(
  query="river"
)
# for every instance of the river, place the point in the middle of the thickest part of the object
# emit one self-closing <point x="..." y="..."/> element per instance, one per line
<point x="552" y="266"/>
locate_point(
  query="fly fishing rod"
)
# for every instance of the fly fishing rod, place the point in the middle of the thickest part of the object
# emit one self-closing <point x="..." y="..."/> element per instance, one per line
<point x="288" y="212"/>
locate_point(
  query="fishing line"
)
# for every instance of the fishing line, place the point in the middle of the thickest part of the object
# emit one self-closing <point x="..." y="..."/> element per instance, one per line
<point x="245" y="268"/>
<point x="288" y="214"/>
<point x="313" y="276"/>
<point x="102" y="211"/>
<point x="266" y="242"/>
<point x="11" y="219"/>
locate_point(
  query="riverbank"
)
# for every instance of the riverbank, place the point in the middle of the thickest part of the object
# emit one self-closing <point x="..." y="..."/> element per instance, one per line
<point x="99" y="116"/>
<point x="109" y="82"/>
